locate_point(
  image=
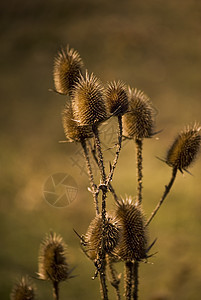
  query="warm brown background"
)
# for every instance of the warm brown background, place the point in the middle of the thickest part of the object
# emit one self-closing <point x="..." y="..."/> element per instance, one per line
<point x="152" y="45"/>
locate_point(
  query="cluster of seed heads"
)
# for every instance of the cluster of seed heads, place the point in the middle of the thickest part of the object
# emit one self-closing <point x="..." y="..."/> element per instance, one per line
<point x="126" y="235"/>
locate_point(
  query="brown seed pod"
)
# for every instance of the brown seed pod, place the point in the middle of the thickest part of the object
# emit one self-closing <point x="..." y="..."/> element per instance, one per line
<point x="52" y="263"/>
<point x="88" y="101"/>
<point x="67" y="68"/>
<point x="23" y="290"/>
<point x="116" y="98"/>
<point x="138" y="122"/>
<point x="93" y="236"/>
<point x="133" y="242"/>
<point x="73" y="131"/>
<point x="185" y="148"/>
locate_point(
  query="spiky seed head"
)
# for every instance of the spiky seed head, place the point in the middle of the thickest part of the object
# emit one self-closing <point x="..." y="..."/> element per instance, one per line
<point x="52" y="259"/>
<point x="88" y="101"/>
<point x="184" y="148"/>
<point x="74" y="132"/>
<point x="67" y="67"/>
<point x="116" y="98"/>
<point x="23" y="290"/>
<point x="139" y="121"/>
<point x="133" y="242"/>
<point x="93" y="237"/>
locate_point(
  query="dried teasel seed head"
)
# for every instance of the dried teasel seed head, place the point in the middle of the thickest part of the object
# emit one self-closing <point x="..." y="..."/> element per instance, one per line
<point x="52" y="263"/>
<point x="88" y="101"/>
<point x="67" y="68"/>
<point x="185" y="148"/>
<point x="23" y="290"/>
<point x="93" y="236"/>
<point x="133" y="242"/>
<point x="73" y="131"/>
<point x="139" y="121"/>
<point x="116" y="98"/>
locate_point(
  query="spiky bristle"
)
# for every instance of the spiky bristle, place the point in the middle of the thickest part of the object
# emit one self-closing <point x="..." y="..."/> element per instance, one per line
<point x="116" y="98"/>
<point x="88" y="101"/>
<point x="138" y="122"/>
<point x="52" y="263"/>
<point x="23" y="290"/>
<point x="184" y="148"/>
<point x="74" y="132"/>
<point x="67" y="67"/>
<point x="133" y="242"/>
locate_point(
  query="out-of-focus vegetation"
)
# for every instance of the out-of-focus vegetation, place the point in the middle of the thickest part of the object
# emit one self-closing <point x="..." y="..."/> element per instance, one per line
<point x="152" y="45"/>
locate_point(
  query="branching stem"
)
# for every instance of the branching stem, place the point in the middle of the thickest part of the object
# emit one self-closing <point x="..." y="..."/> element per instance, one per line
<point x="139" y="169"/>
<point x="167" y="189"/>
<point x="55" y="290"/>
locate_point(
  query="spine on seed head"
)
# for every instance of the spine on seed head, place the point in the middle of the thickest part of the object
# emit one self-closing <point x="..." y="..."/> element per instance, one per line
<point x="93" y="236"/>
<point x="116" y="98"/>
<point x="73" y="131"/>
<point x="138" y="122"/>
<point x="23" y="290"/>
<point x="185" y="148"/>
<point x="133" y="242"/>
<point x="52" y="262"/>
<point x="67" y="69"/>
<point x="88" y="101"/>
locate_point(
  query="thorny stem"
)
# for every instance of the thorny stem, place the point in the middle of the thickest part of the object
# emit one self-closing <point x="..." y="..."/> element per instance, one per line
<point x="93" y="151"/>
<point x="167" y="189"/>
<point x="55" y="290"/>
<point x="103" y="213"/>
<point x="135" y="278"/>
<point x="90" y="174"/>
<point x="139" y="169"/>
<point x="128" y="279"/>
<point x="109" y="178"/>
<point x="115" y="280"/>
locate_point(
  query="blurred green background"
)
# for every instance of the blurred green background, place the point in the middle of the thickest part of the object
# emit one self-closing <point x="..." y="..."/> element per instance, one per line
<point x="152" y="45"/>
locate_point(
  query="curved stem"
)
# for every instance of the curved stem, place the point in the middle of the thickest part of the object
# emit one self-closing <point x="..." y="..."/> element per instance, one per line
<point x="90" y="174"/>
<point x="167" y="189"/>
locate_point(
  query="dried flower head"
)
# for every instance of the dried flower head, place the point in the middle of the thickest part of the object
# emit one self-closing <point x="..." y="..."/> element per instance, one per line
<point x="67" y="68"/>
<point x="93" y="236"/>
<point x="185" y="148"/>
<point x="52" y="259"/>
<point x="133" y="242"/>
<point x="73" y="131"/>
<point x="23" y="290"/>
<point x="138" y="122"/>
<point x="88" y="101"/>
<point x="116" y="98"/>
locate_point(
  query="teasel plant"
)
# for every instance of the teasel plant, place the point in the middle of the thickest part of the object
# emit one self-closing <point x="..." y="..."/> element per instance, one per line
<point x="52" y="262"/>
<point x="121" y="236"/>
<point x="23" y="289"/>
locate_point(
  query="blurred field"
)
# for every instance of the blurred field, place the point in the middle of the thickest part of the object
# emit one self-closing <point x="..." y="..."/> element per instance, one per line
<point x="152" y="45"/>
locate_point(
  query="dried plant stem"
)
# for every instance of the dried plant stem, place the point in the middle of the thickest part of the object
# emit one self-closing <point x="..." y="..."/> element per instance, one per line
<point x="135" y="280"/>
<point x="55" y="290"/>
<point x="115" y="280"/>
<point x="90" y="174"/>
<point x="128" y="279"/>
<point x="93" y="151"/>
<point x="139" y="169"/>
<point x="103" y="213"/>
<point x="109" y="178"/>
<point x="167" y="189"/>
